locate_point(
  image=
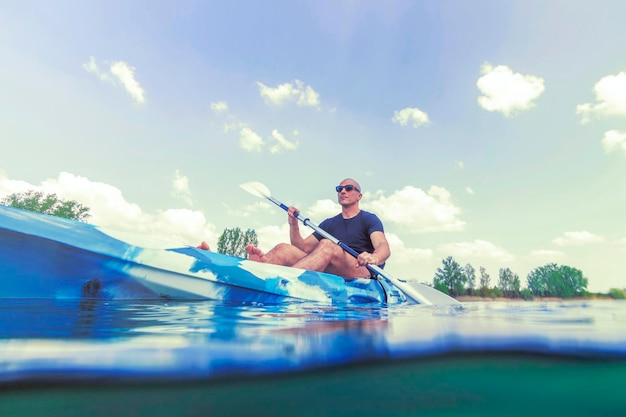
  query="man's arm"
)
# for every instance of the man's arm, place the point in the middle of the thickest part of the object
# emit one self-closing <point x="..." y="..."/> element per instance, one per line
<point x="381" y="248"/>
<point x="381" y="251"/>
<point x="305" y="245"/>
<point x="296" y="239"/>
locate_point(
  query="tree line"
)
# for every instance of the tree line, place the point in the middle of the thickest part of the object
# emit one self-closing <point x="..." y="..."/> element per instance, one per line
<point x="41" y="202"/>
<point x="550" y="280"/>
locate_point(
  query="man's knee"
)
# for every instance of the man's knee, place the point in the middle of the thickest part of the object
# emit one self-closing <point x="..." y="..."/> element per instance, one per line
<point x="285" y="254"/>
<point x="282" y="247"/>
<point x="329" y="247"/>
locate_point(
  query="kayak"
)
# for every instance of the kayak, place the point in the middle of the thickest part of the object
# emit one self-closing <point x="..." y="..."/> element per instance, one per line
<point x="44" y="256"/>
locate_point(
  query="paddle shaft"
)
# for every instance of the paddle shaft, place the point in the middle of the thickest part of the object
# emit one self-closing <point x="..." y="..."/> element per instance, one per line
<point x="406" y="289"/>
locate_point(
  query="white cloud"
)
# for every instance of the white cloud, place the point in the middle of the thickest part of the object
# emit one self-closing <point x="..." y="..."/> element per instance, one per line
<point x="401" y="254"/>
<point x="469" y="190"/>
<point x="410" y="115"/>
<point x="8" y="186"/>
<point x="477" y="249"/>
<point x="107" y="203"/>
<point x="576" y="239"/>
<point x="270" y="236"/>
<point x="610" y="94"/>
<point x="219" y="107"/>
<point x="184" y="222"/>
<point x="180" y="188"/>
<point x="250" y="141"/>
<point x="232" y="126"/>
<point x="546" y="254"/>
<point x="303" y="95"/>
<point x="92" y="67"/>
<point x="418" y="211"/>
<point x="282" y="143"/>
<point x="121" y="71"/>
<point x="460" y="164"/>
<point x="252" y="210"/>
<point x="110" y="210"/>
<point x="507" y="92"/>
<point x="323" y="209"/>
<point x="126" y="74"/>
<point x="614" y="141"/>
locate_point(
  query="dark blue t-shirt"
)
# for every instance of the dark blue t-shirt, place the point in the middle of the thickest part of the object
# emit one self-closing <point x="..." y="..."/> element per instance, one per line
<point x="354" y="232"/>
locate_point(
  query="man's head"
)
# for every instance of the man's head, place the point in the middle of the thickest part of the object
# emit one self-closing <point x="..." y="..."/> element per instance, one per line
<point x="348" y="192"/>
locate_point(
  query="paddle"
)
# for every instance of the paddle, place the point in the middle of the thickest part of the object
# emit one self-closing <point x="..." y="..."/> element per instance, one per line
<point x="260" y="190"/>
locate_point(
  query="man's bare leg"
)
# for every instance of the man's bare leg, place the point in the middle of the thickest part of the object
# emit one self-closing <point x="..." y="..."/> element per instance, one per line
<point x="281" y="254"/>
<point x="326" y="257"/>
<point x="329" y="257"/>
<point x="348" y="268"/>
<point x="320" y="257"/>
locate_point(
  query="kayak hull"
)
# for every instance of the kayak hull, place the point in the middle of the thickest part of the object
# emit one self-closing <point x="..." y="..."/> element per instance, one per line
<point x="43" y="256"/>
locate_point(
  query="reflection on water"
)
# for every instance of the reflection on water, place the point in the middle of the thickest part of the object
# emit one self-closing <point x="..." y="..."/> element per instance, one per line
<point x="97" y="319"/>
<point x="40" y="338"/>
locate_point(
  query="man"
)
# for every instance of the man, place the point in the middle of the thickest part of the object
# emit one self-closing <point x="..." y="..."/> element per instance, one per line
<point x="359" y="229"/>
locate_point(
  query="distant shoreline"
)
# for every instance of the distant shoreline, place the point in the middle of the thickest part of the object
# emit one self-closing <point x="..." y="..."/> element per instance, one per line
<point x="471" y="298"/>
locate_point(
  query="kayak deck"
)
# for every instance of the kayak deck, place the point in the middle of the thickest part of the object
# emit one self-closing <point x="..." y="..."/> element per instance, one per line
<point x="44" y="256"/>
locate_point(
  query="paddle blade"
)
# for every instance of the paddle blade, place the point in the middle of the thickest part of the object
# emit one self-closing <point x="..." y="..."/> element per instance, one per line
<point x="256" y="188"/>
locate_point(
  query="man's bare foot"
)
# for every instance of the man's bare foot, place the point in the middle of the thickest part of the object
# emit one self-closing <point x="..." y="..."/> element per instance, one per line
<point x="255" y="254"/>
<point x="204" y="246"/>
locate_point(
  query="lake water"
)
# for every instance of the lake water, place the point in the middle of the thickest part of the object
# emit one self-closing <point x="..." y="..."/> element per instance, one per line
<point x="157" y="358"/>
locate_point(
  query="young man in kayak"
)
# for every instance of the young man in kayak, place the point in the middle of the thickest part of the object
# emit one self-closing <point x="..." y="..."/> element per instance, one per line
<point x="359" y="229"/>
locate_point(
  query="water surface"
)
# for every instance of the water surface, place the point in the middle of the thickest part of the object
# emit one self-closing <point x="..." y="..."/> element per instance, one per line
<point x="212" y="356"/>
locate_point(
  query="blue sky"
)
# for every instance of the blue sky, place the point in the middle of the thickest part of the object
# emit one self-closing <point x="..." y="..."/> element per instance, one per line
<point x="490" y="131"/>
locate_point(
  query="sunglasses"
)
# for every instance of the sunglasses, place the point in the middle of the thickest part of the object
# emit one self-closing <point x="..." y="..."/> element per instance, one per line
<point x="348" y="188"/>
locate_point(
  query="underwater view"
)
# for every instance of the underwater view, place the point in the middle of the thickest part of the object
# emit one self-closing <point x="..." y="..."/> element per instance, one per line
<point x="109" y="357"/>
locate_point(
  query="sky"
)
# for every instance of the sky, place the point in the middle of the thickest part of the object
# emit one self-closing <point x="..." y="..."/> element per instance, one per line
<point x="490" y="131"/>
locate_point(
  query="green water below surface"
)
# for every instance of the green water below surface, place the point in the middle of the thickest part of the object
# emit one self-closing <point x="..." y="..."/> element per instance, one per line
<point x="449" y="385"/>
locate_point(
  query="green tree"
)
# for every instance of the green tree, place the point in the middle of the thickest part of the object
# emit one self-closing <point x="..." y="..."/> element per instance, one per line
<point x="494" y="292"/>
<point x="617" y="293"/>
<point x="470" y="275"/>
<point x="485" y="281"/>
<point x="450" y="279"/>
<point x="233" y="242"/>
<point x="526" y="294"/>
<point x="48" y="204"/>
<point x="508" y="283"/>
<point x="572" y="282"/>
<point x="552" y="280"/>
<point x="537" y="279"/>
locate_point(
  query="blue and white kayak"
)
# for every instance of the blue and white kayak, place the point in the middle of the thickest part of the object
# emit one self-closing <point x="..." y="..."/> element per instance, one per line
<point x="43" y="256"/>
